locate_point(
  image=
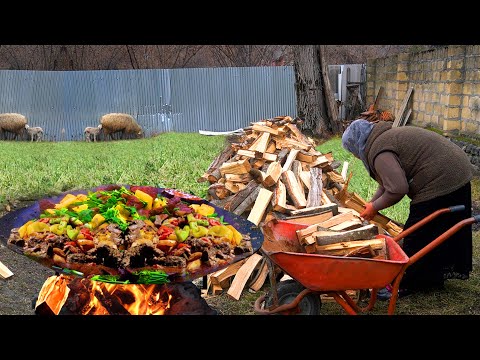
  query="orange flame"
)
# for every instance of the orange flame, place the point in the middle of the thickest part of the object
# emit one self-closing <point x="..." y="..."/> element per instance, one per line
<point x="135" y="299"/>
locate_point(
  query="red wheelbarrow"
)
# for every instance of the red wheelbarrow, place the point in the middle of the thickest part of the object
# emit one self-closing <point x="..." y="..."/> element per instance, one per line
<point x="316" y="274"/>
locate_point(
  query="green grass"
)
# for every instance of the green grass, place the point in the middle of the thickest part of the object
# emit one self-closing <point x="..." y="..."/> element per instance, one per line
<point x="176" y="160"/>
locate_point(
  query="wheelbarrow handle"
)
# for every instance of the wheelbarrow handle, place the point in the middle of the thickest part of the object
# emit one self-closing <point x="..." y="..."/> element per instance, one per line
<point x="427" y="219"/>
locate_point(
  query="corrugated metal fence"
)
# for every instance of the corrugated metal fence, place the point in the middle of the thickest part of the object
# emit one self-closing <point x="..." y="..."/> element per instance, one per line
<point x="63" y="103"/>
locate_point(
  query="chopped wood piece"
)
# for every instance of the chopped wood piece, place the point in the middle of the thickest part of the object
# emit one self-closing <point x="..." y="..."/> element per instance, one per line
<point x="243" y="178"/>
<point x="325" y="199"/>
<point x="235" y="167"/>
<point x="279" y="198"/>
<point x="338" y="219"/>
<point x="346" y="247"/>
<point x="330" y="237"/>
<point x="5" y="271"/>
<point x="261" y="203"/>
<point x="288" y="163"/>
<point x="234" y="187"/>
<point x="247" y="153"/>
<point x="263" y="143"/>
<point x="321" y="160"/>
<point x="239" y="197"/>
<point x="310" y="219"/>
<point x="307" y="240"/>
<point x="262" y="276"/>
<point x="296" y="144"/>
<point x="241" y="278"/>
<point x="221" y="275"/>
<point x="257" y="175"/>
<point x="273" y="173"/>
<point x="263" y="128"/>
<point x="271" y="148"/>
<point x="282" y="155"/>
<point x="306" y="156"/>
<point x="294" y="190"/>
<point x="344" y="170"/>
<point x="314" y="197"/>
<point x="298" y="134"/>
<point x="224" y="156"/>
<point x="306" y="180"/>
<point x="347" y="225"/>
<point x="247" y="202"/>
<point x="269" y="157"/>
<point x="316" y="210"/>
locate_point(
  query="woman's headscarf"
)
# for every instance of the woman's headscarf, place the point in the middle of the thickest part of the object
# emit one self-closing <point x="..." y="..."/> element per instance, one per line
<point x="354" y="139"/>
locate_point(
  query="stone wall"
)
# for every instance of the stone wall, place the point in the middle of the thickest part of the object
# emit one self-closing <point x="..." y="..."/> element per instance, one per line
<point x="446" y="87"/>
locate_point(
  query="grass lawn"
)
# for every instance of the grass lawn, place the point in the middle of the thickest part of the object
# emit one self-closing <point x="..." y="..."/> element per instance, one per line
<point x="30" y="171"/>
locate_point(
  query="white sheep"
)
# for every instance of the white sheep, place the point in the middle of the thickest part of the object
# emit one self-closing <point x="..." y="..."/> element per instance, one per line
<point x="12" y="123"/>
<point x="90" y="132"/>
<point x="120" y="123"/>
<point x="35" y="132"/>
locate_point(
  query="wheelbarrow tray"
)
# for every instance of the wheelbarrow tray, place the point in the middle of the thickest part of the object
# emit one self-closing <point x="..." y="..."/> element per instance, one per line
<point x="325" y="273"/>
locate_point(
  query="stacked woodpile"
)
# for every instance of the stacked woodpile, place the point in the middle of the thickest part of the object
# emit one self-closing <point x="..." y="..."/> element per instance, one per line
<point x="273" y="172"/>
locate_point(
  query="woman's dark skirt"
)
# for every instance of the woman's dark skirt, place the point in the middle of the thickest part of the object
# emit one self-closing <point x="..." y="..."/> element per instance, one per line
<point x="450" y="260"/>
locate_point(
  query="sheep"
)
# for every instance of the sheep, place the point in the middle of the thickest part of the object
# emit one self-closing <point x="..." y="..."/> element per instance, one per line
<point x="35" y="132"/>
<point x="123" y="123"/>
<point x="90" y="132"/>
<point x="12" y="123"/>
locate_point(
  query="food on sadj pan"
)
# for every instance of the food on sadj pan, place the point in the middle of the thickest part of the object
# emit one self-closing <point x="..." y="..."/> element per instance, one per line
<point x="134" y="228"/>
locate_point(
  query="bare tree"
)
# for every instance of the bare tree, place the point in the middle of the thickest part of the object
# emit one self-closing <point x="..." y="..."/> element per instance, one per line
<point x="247" y="55"/>
<point x="315" y="103"/>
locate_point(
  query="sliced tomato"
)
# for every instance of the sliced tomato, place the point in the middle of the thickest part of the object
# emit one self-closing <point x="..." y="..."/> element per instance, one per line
<point x="44" y="220"/>
<point x="164" y="231"/>
<point x="214" y="222"/>
<point x="86" y="233"/>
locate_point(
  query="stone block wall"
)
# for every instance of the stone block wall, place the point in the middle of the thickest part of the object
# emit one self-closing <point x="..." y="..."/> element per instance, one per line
<point x="446" y="87"/>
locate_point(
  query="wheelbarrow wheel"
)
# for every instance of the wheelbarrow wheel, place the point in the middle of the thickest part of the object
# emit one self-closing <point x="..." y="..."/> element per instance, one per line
<point x="287" y="291"/>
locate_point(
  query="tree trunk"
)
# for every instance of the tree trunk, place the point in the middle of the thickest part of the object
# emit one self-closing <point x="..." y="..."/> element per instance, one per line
<point x="313" y="92"/>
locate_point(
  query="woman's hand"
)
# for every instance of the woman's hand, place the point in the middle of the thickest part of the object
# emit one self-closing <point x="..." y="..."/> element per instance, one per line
<point x="369" y="212"/>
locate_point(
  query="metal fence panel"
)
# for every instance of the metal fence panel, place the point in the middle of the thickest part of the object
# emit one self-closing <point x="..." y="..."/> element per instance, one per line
<point x="63" y="103"/>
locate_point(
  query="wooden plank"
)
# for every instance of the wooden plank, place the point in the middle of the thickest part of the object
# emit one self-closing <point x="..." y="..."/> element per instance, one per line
<point x="405" y="119"/>
<point x="399" y="115"/>
<point x="5" y="272"/>
<point x="241" y="278"/>
<point x="261" y="203"/>
<point x="377" y="98"/>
